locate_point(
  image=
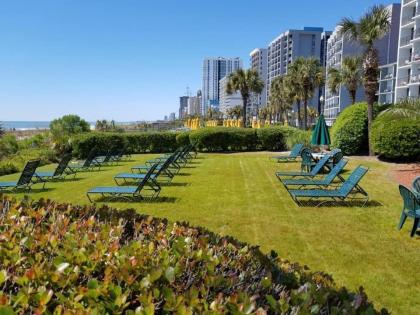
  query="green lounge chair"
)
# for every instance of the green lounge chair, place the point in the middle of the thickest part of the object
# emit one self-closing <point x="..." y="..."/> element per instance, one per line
<point x="128" y="192"/>
<point x="104" y="159"/>
<point x="314" y="172"/>
<point x="160" y="169"/>
<point x="411" y="208"/>
<point x="293" y="155"/>
<point x="60" y="172"/>
<point x="25" y="180"/>
<point x="326" y="181"/>
<point x="85" y="166"/>
<point x="336" y="156"/>
<point x="416" y="187"/>
<point x="174" y="167"/>
<point x="345" y="191"/>
<point x="308" y="161"/>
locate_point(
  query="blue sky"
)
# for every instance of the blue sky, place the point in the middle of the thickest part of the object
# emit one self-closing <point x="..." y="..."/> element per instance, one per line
<point x="131" y="59"/>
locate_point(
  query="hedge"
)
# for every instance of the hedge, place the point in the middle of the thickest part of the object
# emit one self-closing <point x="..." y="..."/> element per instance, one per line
<point x="350" y="131"/>
<point x="107" y="261"/>
<point x="397" y="139"/>
<point x="212" y="139"/>
<point x="148" y="142"/>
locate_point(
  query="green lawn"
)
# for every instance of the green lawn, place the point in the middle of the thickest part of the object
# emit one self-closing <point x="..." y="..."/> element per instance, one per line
<point x="238" y="194"/>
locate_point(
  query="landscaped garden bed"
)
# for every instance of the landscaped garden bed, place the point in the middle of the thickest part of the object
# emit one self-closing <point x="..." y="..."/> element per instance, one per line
<point x="62" y="258"/>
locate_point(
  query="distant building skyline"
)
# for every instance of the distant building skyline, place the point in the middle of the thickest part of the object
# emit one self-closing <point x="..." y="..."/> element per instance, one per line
<point x="213" y="70"/>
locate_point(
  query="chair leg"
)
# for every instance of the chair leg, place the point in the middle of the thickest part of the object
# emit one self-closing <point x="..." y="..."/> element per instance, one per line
<point x="402" y="220"/>
<point x="415" y="226"/>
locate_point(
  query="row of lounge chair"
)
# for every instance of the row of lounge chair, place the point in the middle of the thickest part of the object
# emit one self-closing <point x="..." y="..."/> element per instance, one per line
<point x="310" y="184"/>
<point x="144" y="181"/>
<point x="30" y="176"/>
<point x="411" y="205"/>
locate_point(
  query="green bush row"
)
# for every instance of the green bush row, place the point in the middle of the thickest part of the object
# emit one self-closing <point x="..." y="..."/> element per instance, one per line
<point x="148" y="142"/>
<point x="212" y="139"/>
<point x="107" y="261"/>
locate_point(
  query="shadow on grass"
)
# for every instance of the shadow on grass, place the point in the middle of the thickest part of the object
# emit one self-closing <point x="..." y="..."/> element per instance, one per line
<point x="32" y="191"/>
<point x="171" y="184"/>
<point x="183" y="174"/>
<point x="343" y="204"/>
<point x="145" y="200"/>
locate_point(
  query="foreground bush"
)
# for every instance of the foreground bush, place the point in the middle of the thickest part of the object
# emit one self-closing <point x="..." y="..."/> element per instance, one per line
<point x="66" y="259"/>
<point x="350" y="131"/>
<point x="396" y="139"/>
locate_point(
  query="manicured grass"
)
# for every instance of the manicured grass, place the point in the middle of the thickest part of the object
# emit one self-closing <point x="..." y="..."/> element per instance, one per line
<point x="238" y="194"/>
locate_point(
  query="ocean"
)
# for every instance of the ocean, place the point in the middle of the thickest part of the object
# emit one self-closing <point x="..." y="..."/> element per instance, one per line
<point x="25" y="125"/>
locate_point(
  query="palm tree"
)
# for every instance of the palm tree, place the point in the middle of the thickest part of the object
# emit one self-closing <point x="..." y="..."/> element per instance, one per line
<point x="310" y="74"/>
<point x="292" y="81"/>
<point x="371" y="27"/>
<point x="350" y="75"/>
<point x="244" y="82"/>
<point x="281" y="97"/>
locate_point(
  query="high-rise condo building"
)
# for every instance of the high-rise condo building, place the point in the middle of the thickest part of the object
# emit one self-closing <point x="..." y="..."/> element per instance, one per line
<point x="215" y="69"/>
<point x="287" y="47"/>
<point x="340" y="47"/>
<point x="408" y="64"/>
<point x="183" y="106"/>
<point x="228" y="101"/>
<point x="194" y="104"/>
<point x="259" y="63"/>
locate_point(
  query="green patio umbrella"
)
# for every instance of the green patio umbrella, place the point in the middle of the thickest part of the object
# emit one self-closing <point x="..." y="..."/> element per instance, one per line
<point x="320" y="134"/>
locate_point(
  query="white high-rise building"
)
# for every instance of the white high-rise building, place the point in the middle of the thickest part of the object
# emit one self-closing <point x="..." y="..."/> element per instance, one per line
<point x="228" y="101"/>
<point x="290" y="45"/>
<point x="259" y="63"/>
<point x="215" y="69"/>
<point x="408" y="62"/>
<point x="340" y="47"/>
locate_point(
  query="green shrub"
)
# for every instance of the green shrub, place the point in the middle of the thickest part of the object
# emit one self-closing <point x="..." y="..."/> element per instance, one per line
<point x="273" y="138"/>
<point x="7" y="167"/>
<point x="183" y="138"/>
<point x="296" y="136"/>
<point x="8" y="145"/>
<point x="104" y="261"/>
<point x="350" y="131"/>
<point x="397" y="139"/>
<point x="15" y="162"/>
<point x="147" y="142"/>
<point x="214" y="139"/>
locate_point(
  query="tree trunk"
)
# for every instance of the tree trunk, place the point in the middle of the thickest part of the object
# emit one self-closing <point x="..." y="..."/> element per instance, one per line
<point x="245" y="100"/>
<point x="305" y="113"/>
<point x="353" y="96"/>
<point x="298" y="108"/>
<point x="370" y="67"/>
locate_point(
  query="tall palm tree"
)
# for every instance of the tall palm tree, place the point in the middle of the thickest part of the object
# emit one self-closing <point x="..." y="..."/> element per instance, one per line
<point x="310" y="74"/>
<point x="350" y="75"/>
<point x="371" y="27"/>
<point x="292" y="81"/>
<point x="281" y="97"/>
<point x="244" y="82"/>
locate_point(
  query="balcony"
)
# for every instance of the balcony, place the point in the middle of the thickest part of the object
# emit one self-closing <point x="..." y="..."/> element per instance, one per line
<point x="403" y="81"/>
<point x="406" y="20"/>
<point x="405" y="40"/>
<point x="407" y="2"/>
